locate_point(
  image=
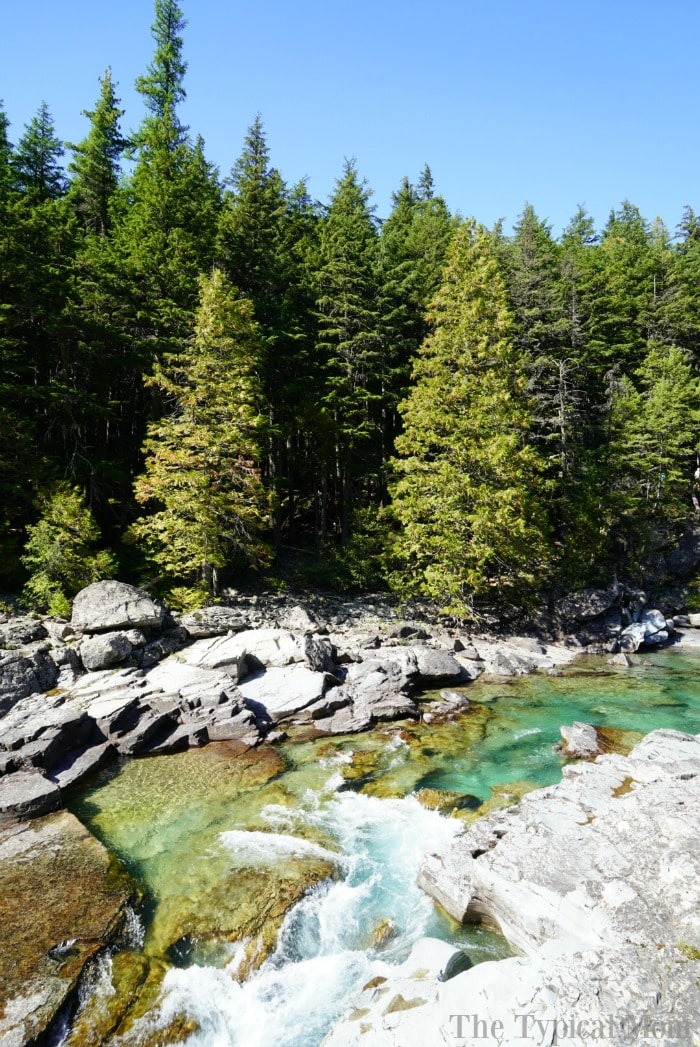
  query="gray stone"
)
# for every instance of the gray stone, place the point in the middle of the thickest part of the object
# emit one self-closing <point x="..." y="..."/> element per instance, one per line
<point x="283" y="691"/>
<point x="213" y="621"/>
<point x="23" y="673"/>
<point x="27" y="794"/>
<point x="18" y="632"/>
<point x="596" y="881"/>
<point x="104" y="650"/>
<point x="621" y="659"/>
<point x="81" y="764"/>
<point x="436" y="666"/>
<point x="109" y="605"/>
<point x="579" y="741"/>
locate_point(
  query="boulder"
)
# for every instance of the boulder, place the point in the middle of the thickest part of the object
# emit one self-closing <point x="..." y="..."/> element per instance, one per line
<point x="23" y="673"/>
<point x="213" y="621"/>
<point x="18" y="632"/>
<point x="580" y="741"/>
<point x="110" y="605"/>
<point x="104" y="649"/>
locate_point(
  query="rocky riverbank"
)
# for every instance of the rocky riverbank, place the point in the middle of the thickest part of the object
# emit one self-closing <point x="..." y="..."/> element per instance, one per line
<point x="125" y="678"/>
<point x="596" y="882"/>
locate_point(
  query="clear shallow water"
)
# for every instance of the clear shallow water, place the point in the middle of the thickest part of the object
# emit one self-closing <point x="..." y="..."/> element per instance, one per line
<point x="326" y="836"/>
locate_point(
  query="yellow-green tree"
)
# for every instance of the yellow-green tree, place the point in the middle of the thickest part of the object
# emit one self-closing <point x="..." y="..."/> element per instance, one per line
<point x="202" y="474"/>
<point x="60" y="552"/>
<point x="467" y="485"/>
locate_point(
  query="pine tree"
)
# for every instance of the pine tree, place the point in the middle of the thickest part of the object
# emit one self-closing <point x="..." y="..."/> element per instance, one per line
<point x="37" y="159"/>
<point x="202" y="458"/>
<point x="7" y="173"/>
<point x="262" y="233"/>
<point x="60" y="552"/>
<point x="348" y="347"/>
<point x="96" y="160"/>
<point x="467" y="487"/>
<point x="413" y="247"/>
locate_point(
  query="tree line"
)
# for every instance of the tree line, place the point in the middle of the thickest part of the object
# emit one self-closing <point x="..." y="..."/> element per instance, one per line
<point x="202" y="376"/>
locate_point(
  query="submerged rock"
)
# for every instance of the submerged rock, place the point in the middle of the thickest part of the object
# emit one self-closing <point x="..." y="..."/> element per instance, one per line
<point x="62" y="899"/>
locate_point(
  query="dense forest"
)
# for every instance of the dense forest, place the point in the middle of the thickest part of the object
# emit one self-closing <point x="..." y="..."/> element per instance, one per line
<point x="204" y="376"/>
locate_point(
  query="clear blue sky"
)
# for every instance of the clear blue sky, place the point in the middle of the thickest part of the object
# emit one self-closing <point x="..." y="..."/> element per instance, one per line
<point x="550" y="101"/>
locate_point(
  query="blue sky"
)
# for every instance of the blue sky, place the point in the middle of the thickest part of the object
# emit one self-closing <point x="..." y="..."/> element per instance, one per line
<point x="548" y="101"/>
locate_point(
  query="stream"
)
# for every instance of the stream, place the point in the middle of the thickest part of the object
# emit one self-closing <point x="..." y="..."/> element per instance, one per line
<point x="278" y="883"/>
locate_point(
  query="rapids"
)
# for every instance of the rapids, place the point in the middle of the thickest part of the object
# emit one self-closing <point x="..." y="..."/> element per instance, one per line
<point x="278" y="883"/>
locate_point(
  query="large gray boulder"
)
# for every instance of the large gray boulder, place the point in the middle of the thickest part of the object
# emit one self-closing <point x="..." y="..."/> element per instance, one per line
<point x="109" y="605"/>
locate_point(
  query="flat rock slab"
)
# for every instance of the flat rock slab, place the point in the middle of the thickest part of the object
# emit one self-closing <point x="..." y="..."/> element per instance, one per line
<point x="62" y="898"/>
<point x="27" y="794"/>
<point x="284" y="691"/>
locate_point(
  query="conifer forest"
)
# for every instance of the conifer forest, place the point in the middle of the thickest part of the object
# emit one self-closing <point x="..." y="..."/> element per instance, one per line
<point x="211" y="376"/>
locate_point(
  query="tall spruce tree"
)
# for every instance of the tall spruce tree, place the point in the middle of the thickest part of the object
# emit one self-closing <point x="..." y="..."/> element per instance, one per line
<point x="202" y="473"/>
<point x="95" y="166"/>
<point x="413" y="247"/>
<point x="467" y="490"/>
<point x="37" y="159"/>
<point x="348" y="351"/>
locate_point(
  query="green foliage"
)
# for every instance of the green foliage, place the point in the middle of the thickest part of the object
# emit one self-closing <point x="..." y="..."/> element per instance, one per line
<point x="37" y="158"/>
<point x="467" y="488"/>
<point x="95" y="164"/>
<point x="202" y="473"/>
<point x="60" y="553"/>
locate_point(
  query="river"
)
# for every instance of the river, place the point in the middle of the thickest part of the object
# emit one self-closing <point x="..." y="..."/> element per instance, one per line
<point x="278" y="883"/>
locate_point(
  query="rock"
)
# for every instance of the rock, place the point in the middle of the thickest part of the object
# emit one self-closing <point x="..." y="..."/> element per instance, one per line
<point x="651" y="629"/>
<point x="436" y="666"/>
<point x="621" y="659"/>
<point x="298" y="620"/>
<point x="81" y="764"/>
<point x="62" y="899"/>
<point x="600" y="920"/>
<point x="26" y="794"/>
<point x="694" y="621"/>
<point x="580" y="741"/>
<point x="23" y="673"/>
<point x="213" y="621"/>
<point x="104" y="650"/>
<point x="586" y="604"/>
<point x="282" y="691"/>
<point x="632" y="638"/>
<point x="18" y="632"/>
<point x="654" y="619"/>
<point x="110" y="605"/>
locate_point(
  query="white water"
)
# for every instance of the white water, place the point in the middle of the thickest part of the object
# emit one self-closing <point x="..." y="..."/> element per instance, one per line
<point x="324" y="953"/>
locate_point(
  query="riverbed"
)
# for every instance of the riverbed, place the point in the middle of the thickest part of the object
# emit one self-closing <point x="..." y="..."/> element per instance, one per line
<point x="279" y="882"/>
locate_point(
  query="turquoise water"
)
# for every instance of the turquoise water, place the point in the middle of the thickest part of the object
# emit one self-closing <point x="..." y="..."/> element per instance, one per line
<point x="216" y="840"/>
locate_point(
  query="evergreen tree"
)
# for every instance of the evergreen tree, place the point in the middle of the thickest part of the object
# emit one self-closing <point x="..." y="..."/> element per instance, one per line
<point x="348" y="349"/>
<point x="37" y="159"/>
<point x="96" y="160"/>
<point x="7" y="174"/>
<point x="263" y="249"/>
<point x="60" y="552"/>
<point x="467" y="488"/>
<point x="413" y="247"/>
<point x="202" y="458"/>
